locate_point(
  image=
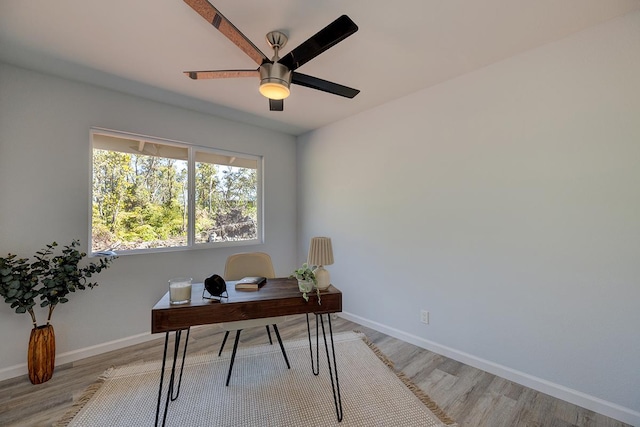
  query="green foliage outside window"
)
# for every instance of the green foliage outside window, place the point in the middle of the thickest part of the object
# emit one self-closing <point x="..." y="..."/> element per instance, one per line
<point x="140" y="201"/>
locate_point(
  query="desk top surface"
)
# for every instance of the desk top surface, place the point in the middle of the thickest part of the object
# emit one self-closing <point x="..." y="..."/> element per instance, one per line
<point x="277" y="297"/>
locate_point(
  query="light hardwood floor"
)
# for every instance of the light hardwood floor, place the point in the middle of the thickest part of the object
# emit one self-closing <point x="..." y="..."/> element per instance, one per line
<point x="470" y="396"/>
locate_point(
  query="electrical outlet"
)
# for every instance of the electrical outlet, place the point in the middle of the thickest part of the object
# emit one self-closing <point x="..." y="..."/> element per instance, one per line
<point x="424" y="316"/>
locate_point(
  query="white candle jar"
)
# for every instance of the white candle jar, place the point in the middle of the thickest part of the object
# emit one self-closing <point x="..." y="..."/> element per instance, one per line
<point x="180" y="290"/>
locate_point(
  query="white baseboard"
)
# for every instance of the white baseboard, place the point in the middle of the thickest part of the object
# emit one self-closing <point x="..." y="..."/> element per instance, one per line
<point x="575" y="397"/>
<point x="72" y="356"/>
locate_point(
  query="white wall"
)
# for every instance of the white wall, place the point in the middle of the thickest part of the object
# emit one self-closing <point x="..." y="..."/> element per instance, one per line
<point x="44" y="193"/>
<point x="505" y="202"/>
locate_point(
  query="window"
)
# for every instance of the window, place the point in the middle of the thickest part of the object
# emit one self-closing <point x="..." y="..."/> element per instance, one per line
<point x="150" y="194"/>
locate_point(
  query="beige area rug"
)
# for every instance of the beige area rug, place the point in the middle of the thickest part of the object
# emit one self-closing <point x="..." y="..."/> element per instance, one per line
<point x="263" y="392"/>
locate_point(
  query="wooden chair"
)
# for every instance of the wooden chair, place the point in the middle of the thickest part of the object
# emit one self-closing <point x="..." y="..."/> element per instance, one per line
<point x="245" y="265"/>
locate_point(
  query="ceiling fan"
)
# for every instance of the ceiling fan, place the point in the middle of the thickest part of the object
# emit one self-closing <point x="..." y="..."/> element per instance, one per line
<point x="277" y="74"/>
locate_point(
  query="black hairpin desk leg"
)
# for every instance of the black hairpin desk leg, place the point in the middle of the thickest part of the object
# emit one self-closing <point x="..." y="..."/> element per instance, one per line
<point x="170" y="390"/>
<point x="315" y="369"/>
<point x="335" y="383"/>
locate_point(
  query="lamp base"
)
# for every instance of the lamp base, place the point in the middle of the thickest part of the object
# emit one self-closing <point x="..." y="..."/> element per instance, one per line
<point x="323" y="278"/>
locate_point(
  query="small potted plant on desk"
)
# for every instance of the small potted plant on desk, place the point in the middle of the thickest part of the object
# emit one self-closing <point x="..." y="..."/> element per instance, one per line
<point x="51" y="278"/>
<point x="306" y="281"/>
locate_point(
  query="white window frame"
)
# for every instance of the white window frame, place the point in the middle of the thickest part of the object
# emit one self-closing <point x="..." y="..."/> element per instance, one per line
<point x="192" y="149"/>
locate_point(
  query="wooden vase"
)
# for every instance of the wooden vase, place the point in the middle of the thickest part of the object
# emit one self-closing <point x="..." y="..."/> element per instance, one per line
<point x="41" y="356"/>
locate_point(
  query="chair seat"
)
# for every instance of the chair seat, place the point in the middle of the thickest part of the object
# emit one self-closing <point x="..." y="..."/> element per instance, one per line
<point x="243" y="324"/>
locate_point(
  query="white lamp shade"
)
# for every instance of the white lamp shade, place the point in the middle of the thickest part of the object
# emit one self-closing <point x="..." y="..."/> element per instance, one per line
<point x="320" y="251"/>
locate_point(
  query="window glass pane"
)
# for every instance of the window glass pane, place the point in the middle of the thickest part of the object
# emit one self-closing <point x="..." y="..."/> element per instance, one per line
<point x="226" y="190"/>
<point x="140" y="193"/>
<point x="150" y="194"/>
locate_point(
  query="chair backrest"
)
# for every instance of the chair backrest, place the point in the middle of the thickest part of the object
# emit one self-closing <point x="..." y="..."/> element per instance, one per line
<point x="248" y="264"/>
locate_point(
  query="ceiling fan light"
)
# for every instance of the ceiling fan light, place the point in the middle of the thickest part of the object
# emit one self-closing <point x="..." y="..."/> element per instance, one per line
<point x="274" y="81"/>
<point x="274" y="90"/>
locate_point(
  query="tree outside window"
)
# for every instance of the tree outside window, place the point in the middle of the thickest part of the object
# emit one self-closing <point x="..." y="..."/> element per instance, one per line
<point x="141" y="195"/>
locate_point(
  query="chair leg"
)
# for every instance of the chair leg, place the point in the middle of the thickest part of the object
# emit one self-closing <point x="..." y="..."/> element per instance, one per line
<point x="224" y="340"/>
<point x="233" y="355"/>
<point x="269" y="333"/>
<point x="284" y="353"/>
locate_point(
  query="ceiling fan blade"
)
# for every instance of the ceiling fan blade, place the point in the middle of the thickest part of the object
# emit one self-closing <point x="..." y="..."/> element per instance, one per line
<point x="221" y="74"/>
<point x="215" y="18"/>
<point x="329" y="36"/>
<point x="323" y="85"/>
<point x="276" y="104"/>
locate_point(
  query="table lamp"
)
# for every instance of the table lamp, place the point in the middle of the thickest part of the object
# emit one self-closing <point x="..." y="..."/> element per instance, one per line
<point x="321" y="254"/>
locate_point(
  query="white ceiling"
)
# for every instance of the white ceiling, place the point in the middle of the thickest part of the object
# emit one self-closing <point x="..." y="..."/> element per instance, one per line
<point x="142" y="47"/>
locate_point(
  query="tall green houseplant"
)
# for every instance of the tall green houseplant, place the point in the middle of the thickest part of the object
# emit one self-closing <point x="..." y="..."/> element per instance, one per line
<point x="50" y="278"/>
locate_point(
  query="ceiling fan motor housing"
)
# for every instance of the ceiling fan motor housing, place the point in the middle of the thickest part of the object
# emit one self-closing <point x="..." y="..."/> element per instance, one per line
<point x="275" y="80"/>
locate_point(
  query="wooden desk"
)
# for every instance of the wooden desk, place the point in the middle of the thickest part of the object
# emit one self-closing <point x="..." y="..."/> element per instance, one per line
<point x="278" y="297"/>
